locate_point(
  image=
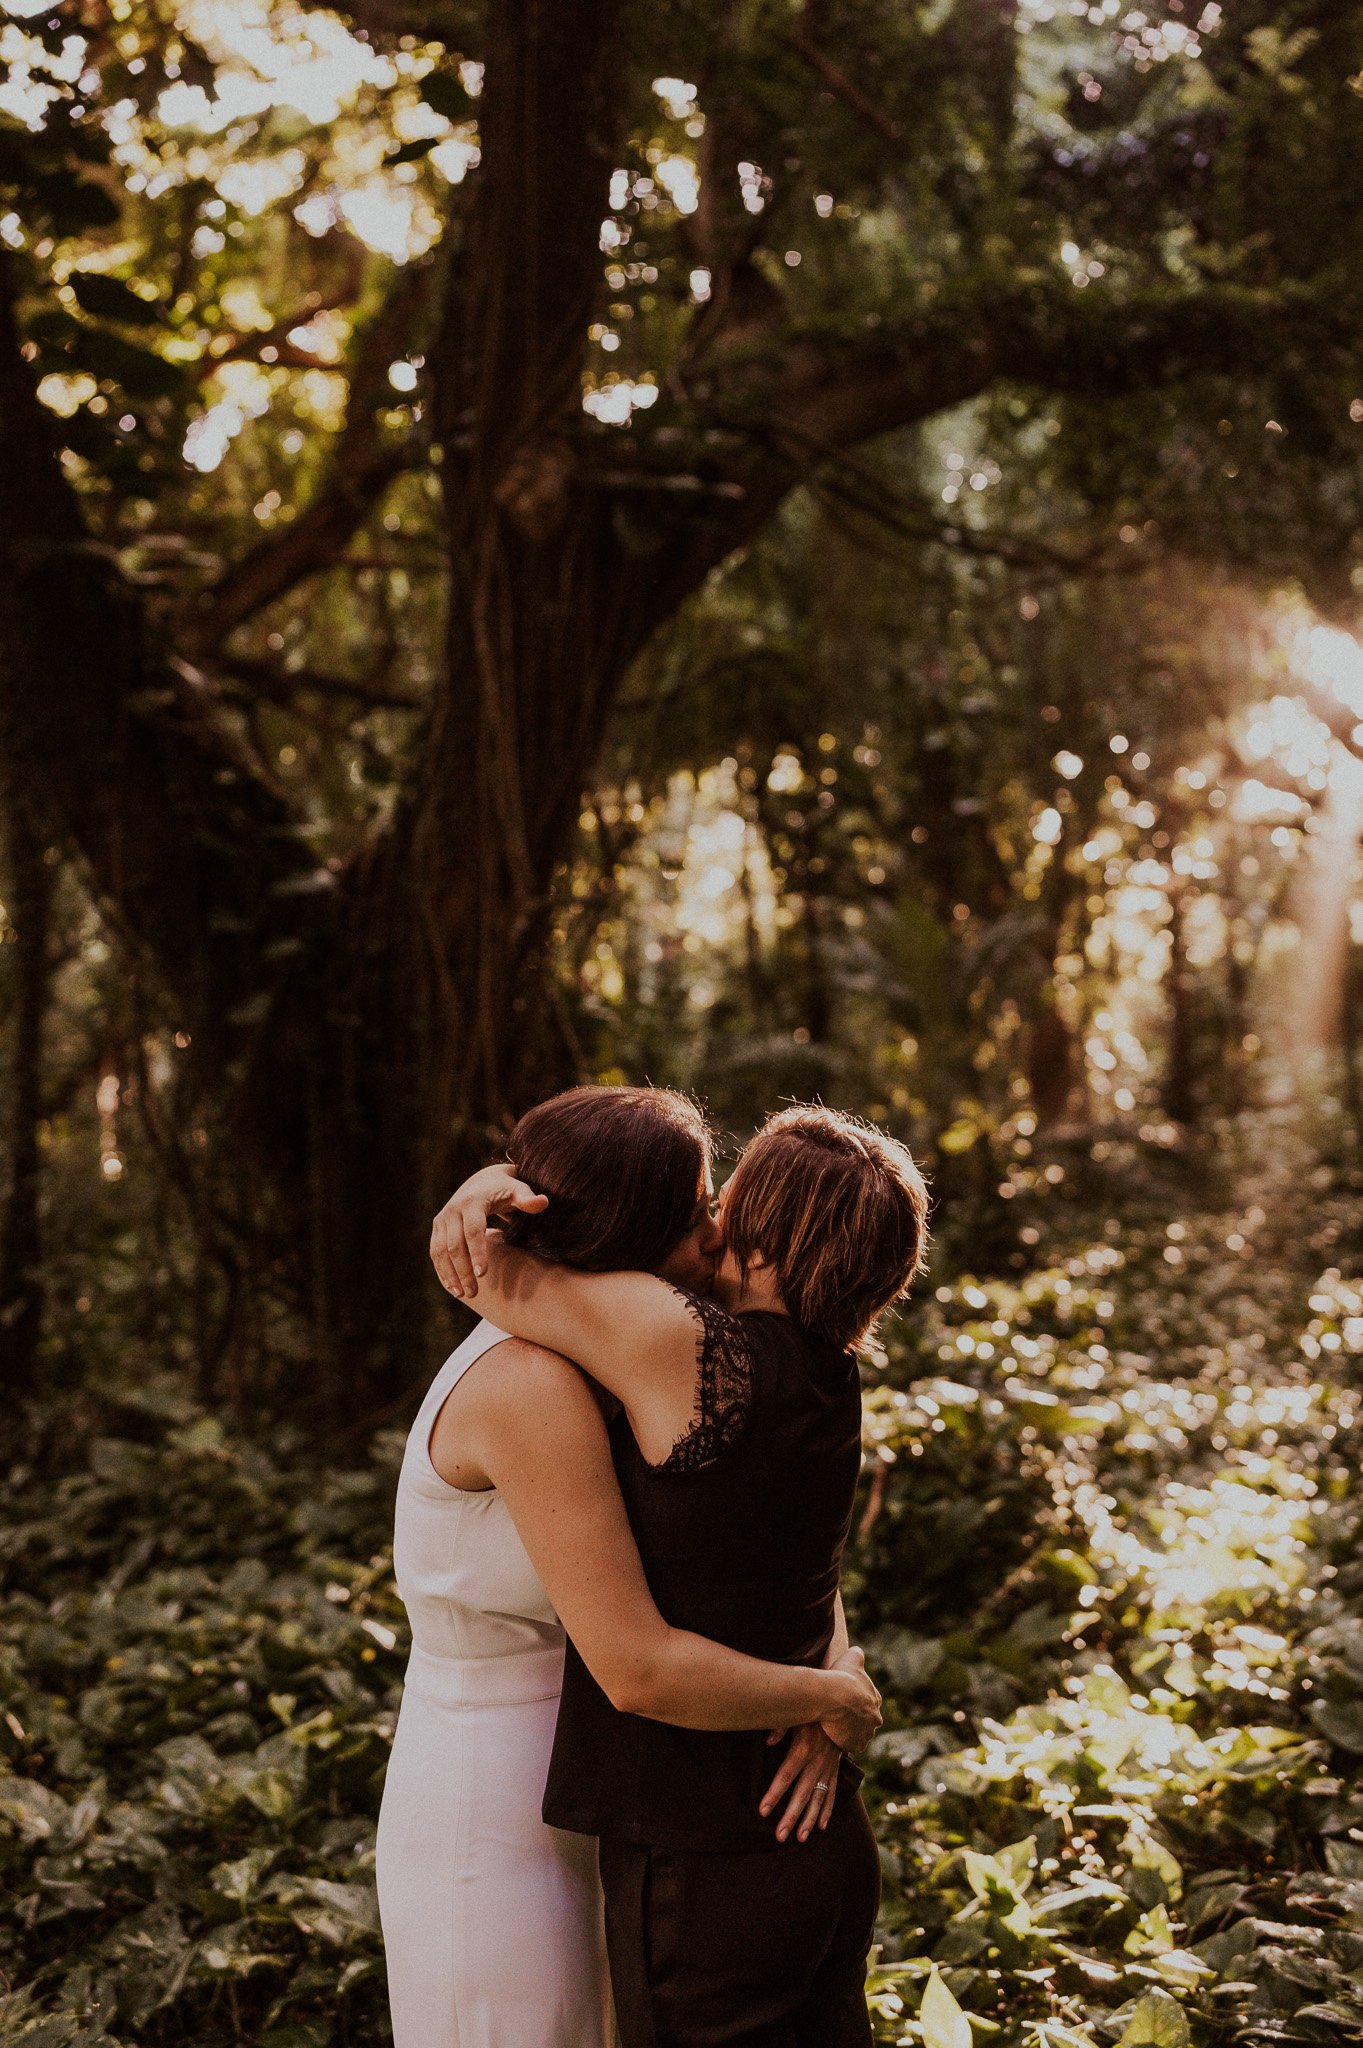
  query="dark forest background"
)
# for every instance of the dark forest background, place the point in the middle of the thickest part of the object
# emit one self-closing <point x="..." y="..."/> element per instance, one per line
<point x="790" y="548"/>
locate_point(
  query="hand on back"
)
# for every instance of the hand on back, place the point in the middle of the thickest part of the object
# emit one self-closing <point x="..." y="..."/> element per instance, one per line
<point x="807" y="1778"/>
<point x="852" y="1724"/>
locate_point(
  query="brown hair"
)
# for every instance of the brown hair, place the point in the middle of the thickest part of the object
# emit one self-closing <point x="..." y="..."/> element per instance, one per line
<point x="623" y="1169"/>
<point x="838" y="1209"/>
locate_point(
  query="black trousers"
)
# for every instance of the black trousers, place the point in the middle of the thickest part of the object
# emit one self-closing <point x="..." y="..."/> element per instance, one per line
<point x="762" y="1949"/>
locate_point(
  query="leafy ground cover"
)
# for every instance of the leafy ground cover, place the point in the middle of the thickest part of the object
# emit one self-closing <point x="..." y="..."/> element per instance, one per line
<point x="200" y="1656"/>
<point x="1107" y="1567"/>
<point x="1118" y="1803"/>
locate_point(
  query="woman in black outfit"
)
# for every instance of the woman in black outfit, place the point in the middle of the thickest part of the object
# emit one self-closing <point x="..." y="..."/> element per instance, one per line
<point x="737" y="1450"/>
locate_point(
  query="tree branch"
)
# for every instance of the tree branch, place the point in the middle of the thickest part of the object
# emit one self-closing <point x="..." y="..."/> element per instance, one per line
<point x="838" y="83"/>
<point x="272" y="343"/>
<point x="365" y="460"/>
<point x="847" y="485"/>
<point x="118" y="751"/>
<point x="780" y="410"/>
<point x="837" y="389"/>
<point x="280" y="685"/>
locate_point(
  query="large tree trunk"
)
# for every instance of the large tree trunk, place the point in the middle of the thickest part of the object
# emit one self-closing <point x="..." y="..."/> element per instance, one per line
<point x="1180" y="1067"/>
<point x="29" y="894"/>
<point x="421" y="1030"/>
<point x="1051" y="1061"/>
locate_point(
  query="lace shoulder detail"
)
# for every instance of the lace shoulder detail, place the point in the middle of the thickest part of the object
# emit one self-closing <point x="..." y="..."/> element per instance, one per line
<point x="723" y="1386"/>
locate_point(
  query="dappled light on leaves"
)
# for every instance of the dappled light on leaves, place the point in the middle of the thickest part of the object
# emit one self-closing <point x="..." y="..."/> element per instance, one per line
<point x="811" y="554"/>
<point x="1143" y="1697"/>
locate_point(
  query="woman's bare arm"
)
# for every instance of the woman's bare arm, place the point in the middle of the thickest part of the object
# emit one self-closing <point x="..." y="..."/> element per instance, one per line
<point x="807" y="1778"/>
<point x="632" y="1332"/>
<point x="841" y="1640"/>
<point x="529" y="1421"/>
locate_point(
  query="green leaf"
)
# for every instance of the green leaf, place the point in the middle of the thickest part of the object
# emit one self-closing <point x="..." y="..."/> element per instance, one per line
<point x="1337" y="1896"/>
<point x="985" y="1874"/>
<point x="1343" y="2020"/>
<point x="36" y="1812"/>
<point x="1341" y="1722"/>
<point x="237" y="1881"/>
<point x="1181" y="1968"/>
<point x="109" y="298"/>
<point x="959" y="1136"/>
<point x="1019" y="1861"/>
<point x="445" y="92"/>
<point x="1157" y="2021"/>
<point x="273" y="1784"/>
<point x="1344" y="1859"/>
<point x="1066" y="1567"/>
<point x="1151" y="1933"/>
<point x="75" y="205"/>
<point x="141" y="372"/>
<point x="941" y="2019"/>
<point x="334" y="1913"/>
<point x="413" y="152"/>
<point x="1159" y="1866"/>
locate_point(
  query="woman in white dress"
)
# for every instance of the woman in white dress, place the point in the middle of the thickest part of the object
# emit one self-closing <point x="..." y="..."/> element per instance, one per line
<point x="510" y="1527"/>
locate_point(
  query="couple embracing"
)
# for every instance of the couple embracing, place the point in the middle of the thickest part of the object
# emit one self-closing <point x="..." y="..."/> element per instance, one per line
<point x="619" y="1585"/>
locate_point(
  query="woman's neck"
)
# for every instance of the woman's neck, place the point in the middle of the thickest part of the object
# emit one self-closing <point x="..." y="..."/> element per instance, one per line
<point x="757" y="1289"/>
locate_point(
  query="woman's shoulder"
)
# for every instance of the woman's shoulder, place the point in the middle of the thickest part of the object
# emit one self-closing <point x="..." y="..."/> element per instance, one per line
<point x="726" y="1382"/>
<point x="514" y="1362"/>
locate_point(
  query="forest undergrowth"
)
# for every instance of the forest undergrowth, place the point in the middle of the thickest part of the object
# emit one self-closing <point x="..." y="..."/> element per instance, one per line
<point x="1118" y="1799"/>
<point x="1107" y="1569"/>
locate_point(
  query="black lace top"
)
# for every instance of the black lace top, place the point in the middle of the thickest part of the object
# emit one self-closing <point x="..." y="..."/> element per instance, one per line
<point x="724" y="1382"/>
<point x="740" y="1530"/>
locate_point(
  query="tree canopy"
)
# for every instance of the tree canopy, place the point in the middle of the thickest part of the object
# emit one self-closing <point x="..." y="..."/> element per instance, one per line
<point x="406" y="411"/>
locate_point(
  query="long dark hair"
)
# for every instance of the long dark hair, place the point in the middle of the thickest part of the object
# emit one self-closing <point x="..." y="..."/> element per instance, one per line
<point x="623" y="1170"/>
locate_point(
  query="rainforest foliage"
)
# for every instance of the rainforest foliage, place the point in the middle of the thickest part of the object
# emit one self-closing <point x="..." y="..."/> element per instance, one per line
<point x="426" y="433"/>
<point x="791" y="548"/>
<point x="1106" y="1571"/>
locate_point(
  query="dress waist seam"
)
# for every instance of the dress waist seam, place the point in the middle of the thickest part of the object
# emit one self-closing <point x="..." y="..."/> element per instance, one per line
<point x="517" y="1679"/>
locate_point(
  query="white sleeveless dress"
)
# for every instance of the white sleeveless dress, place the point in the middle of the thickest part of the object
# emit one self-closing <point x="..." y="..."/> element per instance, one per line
<point x="492" y="1921"/>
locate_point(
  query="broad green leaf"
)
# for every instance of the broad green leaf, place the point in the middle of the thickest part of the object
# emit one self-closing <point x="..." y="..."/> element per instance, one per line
<point x="75" y="205"/>
<point x="238" y="1881"/>
<point x="1067" y="1567"/>
<point x="446" y="93"/>
<point x="1341" y="1722"/>
<point x="1088" y="1891"/>
<point x="910" y="1661"/>
<point x="1148" y="1854"/>
<point x="940" y="2018"/>
<point x="984" y="1874"/>
<point x="36" y="1811"/>
<point x="1019" y="1860"/>
<point x="1106" y="1692"/>
<point x="109" y="298"/>
<point x="335" y="1913"/>
<point x="1181" y="1968"/>
<point x="1151" y="1933"/>
<point x="1156" y="2021"/>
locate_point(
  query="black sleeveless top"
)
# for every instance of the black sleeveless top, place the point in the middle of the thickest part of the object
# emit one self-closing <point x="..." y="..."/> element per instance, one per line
<point x="741" y="1531"/>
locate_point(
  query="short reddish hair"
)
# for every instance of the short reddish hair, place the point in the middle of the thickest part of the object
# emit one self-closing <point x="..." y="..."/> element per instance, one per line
<point x="838" y="1209"/>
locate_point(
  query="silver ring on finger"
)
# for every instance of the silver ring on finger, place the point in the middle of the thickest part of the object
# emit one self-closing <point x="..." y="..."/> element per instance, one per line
<point x="822" y="1785"/>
